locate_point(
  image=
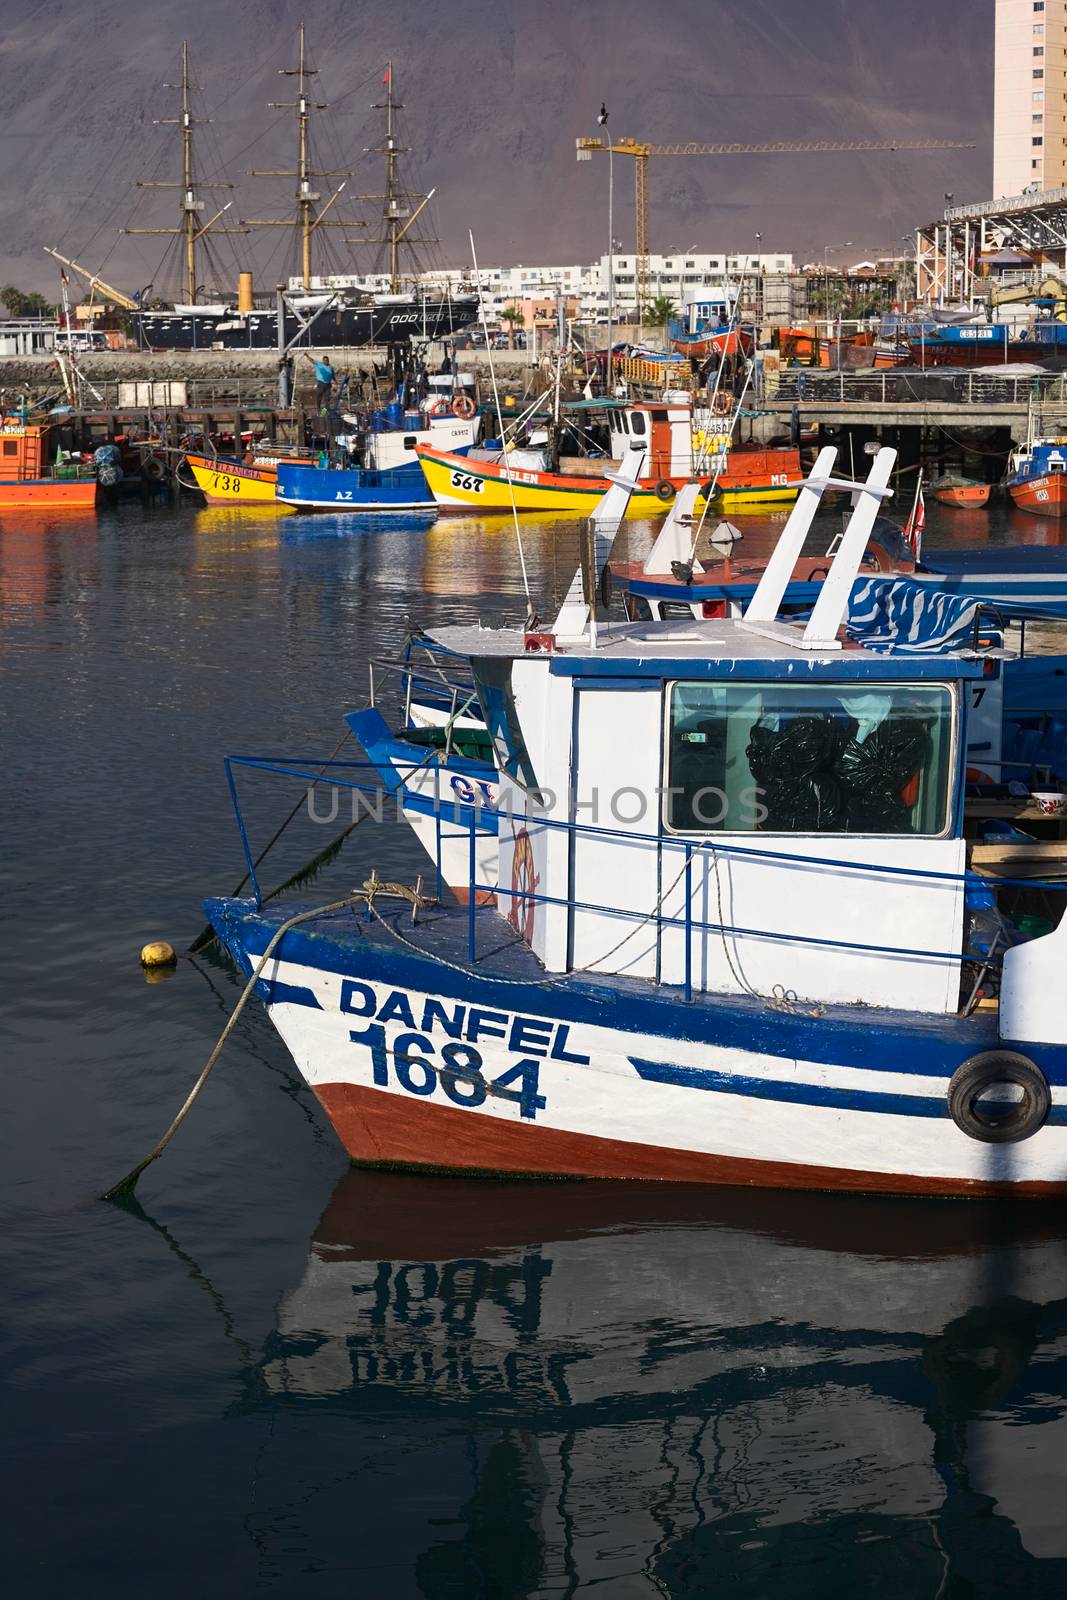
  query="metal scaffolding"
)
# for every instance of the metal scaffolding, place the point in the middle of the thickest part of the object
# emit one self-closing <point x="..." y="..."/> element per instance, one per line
<point x="948" y="251"/>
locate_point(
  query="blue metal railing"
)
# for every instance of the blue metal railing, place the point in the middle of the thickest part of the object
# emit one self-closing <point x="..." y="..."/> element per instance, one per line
<point x="464" y="817"/>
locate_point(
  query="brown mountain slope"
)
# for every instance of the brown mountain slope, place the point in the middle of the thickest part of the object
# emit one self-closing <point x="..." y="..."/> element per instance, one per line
<point x="496" y="92"/>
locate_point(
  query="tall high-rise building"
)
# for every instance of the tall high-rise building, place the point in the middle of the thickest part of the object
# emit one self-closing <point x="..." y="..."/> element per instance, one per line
<point x="1030" y="96"/>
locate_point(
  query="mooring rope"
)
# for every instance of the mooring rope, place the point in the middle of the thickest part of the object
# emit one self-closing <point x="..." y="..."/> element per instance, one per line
<point x="371" y="889"/>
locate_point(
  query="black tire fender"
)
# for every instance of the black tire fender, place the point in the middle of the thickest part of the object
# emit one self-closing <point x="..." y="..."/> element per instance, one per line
<point x="665" y="489"/>
<point x="1022" y="1119"/>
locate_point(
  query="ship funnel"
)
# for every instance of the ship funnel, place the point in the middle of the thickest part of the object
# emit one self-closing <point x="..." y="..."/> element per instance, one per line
<point x="244" y="291"/>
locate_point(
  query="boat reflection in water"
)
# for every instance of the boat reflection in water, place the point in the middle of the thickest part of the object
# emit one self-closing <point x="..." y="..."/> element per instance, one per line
<point x="535" y="1389"/>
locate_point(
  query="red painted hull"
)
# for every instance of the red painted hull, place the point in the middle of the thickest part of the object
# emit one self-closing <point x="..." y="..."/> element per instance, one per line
<point x="1047" y="496"/>
<point x="388" y="1130"/>
<point x="727" y="343"/>
<point x="971" y="494"/>
<point x="48" y="494"/>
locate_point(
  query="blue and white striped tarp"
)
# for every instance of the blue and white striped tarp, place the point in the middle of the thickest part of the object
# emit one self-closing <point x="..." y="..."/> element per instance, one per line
<point x="910" y="618"/>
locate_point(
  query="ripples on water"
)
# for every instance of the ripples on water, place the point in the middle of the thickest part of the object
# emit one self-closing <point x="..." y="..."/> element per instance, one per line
<point x="286" y="1378"/>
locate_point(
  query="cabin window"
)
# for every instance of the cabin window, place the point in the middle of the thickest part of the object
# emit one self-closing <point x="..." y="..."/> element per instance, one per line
<point x="772" y="757"/>
<point x="410" y="441"/>
<point x="11" y="447"/>
<point x="637" y="424"/>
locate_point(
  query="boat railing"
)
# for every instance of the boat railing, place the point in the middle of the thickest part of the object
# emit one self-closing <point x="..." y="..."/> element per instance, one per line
<point x="425" y="671"/>
<point x="464" y="817"/>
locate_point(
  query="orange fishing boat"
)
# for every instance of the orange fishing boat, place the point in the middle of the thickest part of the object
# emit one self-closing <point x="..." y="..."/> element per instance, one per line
<point x="954" y="490"/>
<point x="32" y="473"/>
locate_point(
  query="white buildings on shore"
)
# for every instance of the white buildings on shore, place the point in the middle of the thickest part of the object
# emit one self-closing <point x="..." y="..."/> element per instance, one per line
<point x="681" y="275"/>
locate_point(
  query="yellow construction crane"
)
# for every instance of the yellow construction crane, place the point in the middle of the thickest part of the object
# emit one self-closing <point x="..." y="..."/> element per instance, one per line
<point x="641" y="152"/>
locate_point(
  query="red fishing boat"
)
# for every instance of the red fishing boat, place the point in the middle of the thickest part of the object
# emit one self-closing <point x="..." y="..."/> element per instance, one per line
<point x="1037" y="477"/>
<point x="32" y="472"/>
<point x="726" y="342"/>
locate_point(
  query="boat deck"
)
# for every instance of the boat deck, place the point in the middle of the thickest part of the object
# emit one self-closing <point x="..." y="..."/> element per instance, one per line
<point x="352" y="942"/>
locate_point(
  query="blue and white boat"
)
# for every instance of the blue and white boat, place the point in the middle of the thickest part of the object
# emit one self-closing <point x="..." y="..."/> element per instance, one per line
<point x="736" y="933"/>
<point x="373" y="467"/>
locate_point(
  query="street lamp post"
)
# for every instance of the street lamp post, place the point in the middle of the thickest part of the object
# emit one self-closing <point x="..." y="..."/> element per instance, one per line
<point x="602" y="119"/>
<point x="826" y="249"/>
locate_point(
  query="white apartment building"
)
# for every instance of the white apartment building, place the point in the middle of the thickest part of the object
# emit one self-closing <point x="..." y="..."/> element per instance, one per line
<point x="1030" y="96"/>
<point x="681" y="275"/>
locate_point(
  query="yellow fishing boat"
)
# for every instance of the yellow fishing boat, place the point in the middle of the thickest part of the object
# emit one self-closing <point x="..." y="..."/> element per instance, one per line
<point x="753" y="481"/>
<point x="745" y="477"/>
<point x="226" y="482"/>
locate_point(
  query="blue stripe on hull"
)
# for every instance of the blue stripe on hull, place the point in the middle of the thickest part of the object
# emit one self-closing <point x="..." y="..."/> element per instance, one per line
<point x="804" y="1094"/>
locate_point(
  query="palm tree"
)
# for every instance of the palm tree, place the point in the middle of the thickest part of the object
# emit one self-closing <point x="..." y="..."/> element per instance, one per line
<point x="659" y="314"/>
<point x="512" y="315"/>
<point x="14" y="300"/>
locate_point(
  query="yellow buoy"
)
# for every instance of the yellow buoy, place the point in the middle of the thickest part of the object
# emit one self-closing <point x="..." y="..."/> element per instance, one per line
<point x="158" y="954"/>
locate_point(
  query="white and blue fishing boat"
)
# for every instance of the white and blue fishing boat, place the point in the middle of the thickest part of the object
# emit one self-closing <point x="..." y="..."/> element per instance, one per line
<point x="737" y="936"/>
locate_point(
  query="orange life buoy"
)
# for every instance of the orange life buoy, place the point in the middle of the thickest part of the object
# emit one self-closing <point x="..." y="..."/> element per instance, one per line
<point x="464" y="406"/>
<point x="437" y="408"/>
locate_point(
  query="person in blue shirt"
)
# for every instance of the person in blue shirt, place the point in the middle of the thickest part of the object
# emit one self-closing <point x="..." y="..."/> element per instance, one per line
<point x="324" y="376"/>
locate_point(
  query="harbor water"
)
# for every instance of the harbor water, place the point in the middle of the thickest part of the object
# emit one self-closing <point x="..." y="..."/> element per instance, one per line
<point x="275" y="1375"/>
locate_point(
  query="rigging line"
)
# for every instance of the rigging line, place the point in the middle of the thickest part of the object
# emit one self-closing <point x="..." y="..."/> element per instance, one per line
<point x="723" y="457"/>
<point x="500" y="426"/>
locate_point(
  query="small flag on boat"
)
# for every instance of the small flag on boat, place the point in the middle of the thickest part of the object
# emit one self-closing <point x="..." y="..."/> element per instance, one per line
<point x="916" y="523"/>
<point x="387" y="74"/>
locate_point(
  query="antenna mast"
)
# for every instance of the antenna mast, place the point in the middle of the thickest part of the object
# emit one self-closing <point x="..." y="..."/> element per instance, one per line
<point x="191" y="206"/>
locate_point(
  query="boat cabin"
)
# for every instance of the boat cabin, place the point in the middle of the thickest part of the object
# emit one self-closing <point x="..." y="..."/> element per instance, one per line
<point x="805" y="810"/>
<point x="663" y="428"/>
<point x="40" y="467"/>
<point x="1047" y="457"/>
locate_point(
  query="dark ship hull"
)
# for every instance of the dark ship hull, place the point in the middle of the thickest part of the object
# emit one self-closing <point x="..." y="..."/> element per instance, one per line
<point x="396" y="322"/>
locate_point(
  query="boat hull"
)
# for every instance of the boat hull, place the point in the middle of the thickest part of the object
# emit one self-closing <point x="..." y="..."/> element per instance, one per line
<point x="963" y="496"/>
<point x="365" y="490"/>
<point x="421" y="1063"/>
<point x="393" y="322"/>
<point x="229" y="483"/>
<point x="1046" y="495"/>
<point x="459" y="483"/>
<point x="48" y="494"/>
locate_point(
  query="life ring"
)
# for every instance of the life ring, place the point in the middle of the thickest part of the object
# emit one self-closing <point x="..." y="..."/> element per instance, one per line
<point x="464" y="406"/>
<point x="977" y="1076"/>
<point x="665" y="490"/>
<point x="437" y="408"/>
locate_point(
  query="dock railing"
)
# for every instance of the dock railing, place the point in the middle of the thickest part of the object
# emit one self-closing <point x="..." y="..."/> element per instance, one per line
<point x="978" y="386"/>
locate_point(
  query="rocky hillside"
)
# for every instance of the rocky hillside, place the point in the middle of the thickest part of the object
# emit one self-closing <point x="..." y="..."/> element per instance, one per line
<point x="496" y="92"/>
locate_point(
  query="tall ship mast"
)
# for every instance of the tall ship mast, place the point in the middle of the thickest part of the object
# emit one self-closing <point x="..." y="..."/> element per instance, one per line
<point x="397" y="215"/>
<point x="308" y="220"/>
<point x="189" y="229"/>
